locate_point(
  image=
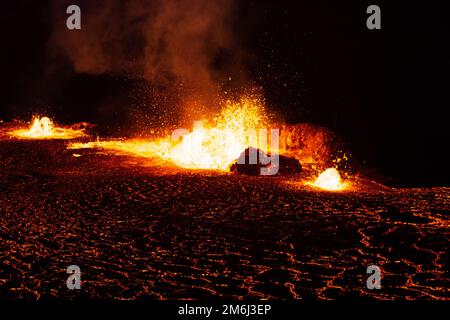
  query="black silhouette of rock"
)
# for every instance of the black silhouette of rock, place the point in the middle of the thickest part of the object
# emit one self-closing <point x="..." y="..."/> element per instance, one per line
<point x="261" y="160"/>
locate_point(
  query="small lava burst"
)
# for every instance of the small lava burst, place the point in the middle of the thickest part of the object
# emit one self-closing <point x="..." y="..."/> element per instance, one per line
<point x="44" y="128"/>
<point x="330" y="180"/>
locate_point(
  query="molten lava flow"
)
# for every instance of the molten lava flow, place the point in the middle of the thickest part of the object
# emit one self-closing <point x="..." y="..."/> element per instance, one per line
<point x="43" y="128"/>
<point x="329" y="180"/>
<point x="209" y="145"/>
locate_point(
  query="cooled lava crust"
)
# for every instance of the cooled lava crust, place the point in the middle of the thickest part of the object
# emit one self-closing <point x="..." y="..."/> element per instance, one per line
<point x="142" y="230"/>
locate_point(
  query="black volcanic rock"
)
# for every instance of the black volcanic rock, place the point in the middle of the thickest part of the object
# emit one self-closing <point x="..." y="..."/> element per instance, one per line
<point x="287" y="165"/>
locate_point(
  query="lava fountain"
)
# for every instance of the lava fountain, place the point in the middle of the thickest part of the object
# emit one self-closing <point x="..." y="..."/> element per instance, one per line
<point x="330" y="180"/>
<point x="44" y="128"/>
<point x="211" y="144"/>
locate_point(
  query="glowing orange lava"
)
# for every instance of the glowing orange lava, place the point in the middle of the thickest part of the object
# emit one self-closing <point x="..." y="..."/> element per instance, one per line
<point x="44" y="128"/>
<point x="329" y="180"/>
<point x="209" y="145"/>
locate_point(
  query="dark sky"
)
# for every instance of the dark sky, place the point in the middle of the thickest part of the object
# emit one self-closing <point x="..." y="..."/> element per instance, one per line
<point x="386" y="92"/>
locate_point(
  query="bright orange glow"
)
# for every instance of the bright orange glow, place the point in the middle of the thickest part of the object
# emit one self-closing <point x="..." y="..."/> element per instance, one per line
<point x="209" y="145"/>
<point x="44" y="128"/>
<point x="330" y="180"/>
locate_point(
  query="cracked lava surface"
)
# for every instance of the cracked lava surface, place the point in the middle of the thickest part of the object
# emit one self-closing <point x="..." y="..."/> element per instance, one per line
<point x="139" y="230"/>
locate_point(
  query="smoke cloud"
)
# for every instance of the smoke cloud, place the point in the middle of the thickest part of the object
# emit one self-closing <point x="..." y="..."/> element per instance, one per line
<point x="184" y="48"/>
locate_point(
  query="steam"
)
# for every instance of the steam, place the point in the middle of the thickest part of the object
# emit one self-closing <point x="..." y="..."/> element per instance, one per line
<point x="176" y="45"/>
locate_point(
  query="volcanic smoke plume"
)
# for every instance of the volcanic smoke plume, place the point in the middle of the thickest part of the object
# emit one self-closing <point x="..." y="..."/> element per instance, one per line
<point x="184" y="48"/>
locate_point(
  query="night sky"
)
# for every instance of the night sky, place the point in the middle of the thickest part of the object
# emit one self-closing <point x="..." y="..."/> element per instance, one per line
<point x="385" y="92"/>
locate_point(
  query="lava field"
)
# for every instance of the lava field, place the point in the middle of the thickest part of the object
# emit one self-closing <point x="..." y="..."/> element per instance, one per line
<point x="144" y="230"/>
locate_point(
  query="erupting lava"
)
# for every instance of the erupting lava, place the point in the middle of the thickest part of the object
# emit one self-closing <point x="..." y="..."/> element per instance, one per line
<point x="210" y="145"/>
<point x="215" y="144"/>
<point x="44" y="128"/>
<point x="329" y="180"/>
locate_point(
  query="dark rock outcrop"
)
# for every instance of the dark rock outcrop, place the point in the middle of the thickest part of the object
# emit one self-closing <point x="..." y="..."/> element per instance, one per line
<point x="243" y="165"/>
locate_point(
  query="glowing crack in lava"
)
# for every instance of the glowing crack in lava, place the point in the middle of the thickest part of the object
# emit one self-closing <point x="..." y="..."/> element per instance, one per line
<point x="44" y="128"/>
<point x="209" y="145"/>
<point x="329" y="180"/>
